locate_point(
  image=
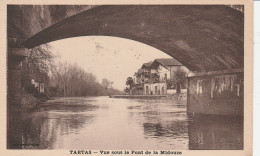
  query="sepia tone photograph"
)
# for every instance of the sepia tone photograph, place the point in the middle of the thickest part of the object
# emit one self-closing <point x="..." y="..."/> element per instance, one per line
<point x="125" y="77"/>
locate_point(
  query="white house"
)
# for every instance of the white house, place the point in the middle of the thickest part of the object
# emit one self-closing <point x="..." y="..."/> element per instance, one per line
<point x="152" y="77"/>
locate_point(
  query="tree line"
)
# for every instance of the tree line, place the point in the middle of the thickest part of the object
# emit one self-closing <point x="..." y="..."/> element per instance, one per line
<point x="72" y="80"/>
<point x="61" y="79"/>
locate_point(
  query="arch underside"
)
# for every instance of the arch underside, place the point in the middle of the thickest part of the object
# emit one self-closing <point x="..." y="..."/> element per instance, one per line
<point x="201" y="37"/>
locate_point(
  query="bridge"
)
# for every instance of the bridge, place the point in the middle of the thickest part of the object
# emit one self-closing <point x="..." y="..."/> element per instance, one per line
<point x="190" y="34"/>
<point x="207" y="39"/>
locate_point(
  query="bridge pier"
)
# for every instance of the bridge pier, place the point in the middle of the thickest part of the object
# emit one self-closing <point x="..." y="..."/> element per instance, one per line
<point x="15" y="57"/>
<point x="216" y="93"/>
<point x="14" y="122"/>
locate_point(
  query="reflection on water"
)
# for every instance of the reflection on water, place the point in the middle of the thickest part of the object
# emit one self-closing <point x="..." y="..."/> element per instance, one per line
<point x="104" y="123"/>
<point x="215" y="132"/>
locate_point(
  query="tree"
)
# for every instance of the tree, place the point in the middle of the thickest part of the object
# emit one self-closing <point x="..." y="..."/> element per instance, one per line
<point x="179" y="78"/>
<point x="127" y="90"/>
<point x="130" y="82"/>
<point x="38" y="65"/>
<point x="106" y="83"/>
<point x="62" y="76"/>
<point x="42" y="58"/>
<point x="72" y="80"/>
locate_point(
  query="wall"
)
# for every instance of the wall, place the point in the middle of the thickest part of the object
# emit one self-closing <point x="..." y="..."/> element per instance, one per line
<point x="173" y="91"/>
<point x="216" y="94"/>
<point x="25" y="21"/>
<point x="151" y="88"/>
<point x="162" y="71"/>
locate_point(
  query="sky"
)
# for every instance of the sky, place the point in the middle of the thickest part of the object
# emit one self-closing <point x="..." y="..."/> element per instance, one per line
<point x="106" y="57"/>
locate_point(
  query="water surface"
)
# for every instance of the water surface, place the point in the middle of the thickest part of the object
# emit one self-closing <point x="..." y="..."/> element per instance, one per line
<point x="108" y="123"/>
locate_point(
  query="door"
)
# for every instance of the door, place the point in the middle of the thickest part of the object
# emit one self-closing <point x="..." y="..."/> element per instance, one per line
<point x="147" y="89"/>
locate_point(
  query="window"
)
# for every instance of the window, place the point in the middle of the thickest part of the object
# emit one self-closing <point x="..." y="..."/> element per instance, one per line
<point x="155" y="89"/>
<point x="199" y="87"/>
<point x="33" y="81"/>
<point x="42" y="88"/>
<point x="212" y="88"/>
<point x="162" y="90"/>
<point x="147" y="90"/>
<point x="237" y="89"/>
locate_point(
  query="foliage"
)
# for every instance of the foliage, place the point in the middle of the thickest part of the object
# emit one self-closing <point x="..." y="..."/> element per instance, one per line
<point x="127" y="90"/>
<point x="179" y="78"/>
<point x="60" y="79"/>
<point x="72" y="80"/>
<point x="30" y="88"/>
<point x="130" y="83"/>
<point x="106" y="83"/>
<point x="39" y="63"/>
<point x="42" y="57"/>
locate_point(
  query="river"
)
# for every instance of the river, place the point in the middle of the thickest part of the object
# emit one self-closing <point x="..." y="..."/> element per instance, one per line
<point x="109" y="123"/>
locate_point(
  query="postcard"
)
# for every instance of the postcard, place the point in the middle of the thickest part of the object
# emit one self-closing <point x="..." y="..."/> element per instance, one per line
<point x="126" y="78"/>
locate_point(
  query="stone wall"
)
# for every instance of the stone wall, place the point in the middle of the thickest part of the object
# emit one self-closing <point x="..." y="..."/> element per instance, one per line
<point x="216" y="94"/>
<point x="26" y="20"/>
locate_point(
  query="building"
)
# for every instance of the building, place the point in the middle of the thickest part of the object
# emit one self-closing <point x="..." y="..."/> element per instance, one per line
<point x="152" y="77"/>
<point x="167" y="67"/>
<point x="31" y="76"/>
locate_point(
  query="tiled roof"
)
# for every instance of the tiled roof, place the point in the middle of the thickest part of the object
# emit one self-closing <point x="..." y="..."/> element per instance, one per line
<point x="147" y="65"/>
<point x="169" y="62"/>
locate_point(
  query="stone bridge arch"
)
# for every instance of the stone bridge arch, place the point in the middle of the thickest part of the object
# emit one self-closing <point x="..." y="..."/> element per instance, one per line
<point x="202" y="37"/>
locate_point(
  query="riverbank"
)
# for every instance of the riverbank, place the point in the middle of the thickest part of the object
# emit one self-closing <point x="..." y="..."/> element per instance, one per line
<point x="138" y="96"/>
<point x="28" y="101"/>
<point x="179" y="98"/>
